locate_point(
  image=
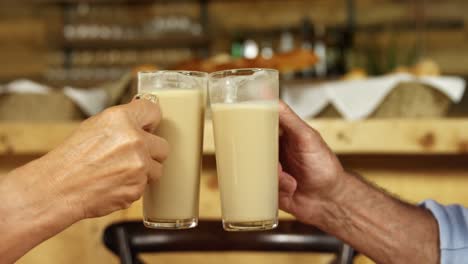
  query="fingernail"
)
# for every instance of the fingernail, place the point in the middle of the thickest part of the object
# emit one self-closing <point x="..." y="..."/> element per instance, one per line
<point x="150" y="97"/>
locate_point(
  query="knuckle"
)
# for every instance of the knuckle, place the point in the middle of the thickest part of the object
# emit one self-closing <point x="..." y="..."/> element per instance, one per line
<point x="310" y="135"/>
<point x="136" y="142"/>
<point x="127" y="198"/>
<point x="139" y="166"/>
<point x="125" y="204"/>
<point x="140" y="189"/>
<point x="115" y="112"/>
<point x="134" y="195"/>
<point x="158" y="172"/>
<point x="283" y="107"/>
<point x="165" y="148"/>
<point x="132" y="138"/>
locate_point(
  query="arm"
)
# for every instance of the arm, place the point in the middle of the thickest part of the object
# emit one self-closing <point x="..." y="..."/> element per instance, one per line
<point x="103" y="167"/>
<point x="317" y="190"/>
<point x="29" y="212"/>
<point x="380" y="226"/>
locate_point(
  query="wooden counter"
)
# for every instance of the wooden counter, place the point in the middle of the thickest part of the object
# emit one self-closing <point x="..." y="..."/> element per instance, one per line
<point x="414" y="159"/>
<point x="383" y="136"/>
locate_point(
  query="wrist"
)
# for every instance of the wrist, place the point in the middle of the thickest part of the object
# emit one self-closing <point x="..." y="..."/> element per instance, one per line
<point x="33" y="195"/>
<point x="379" y="225"/>
<point x="335" y="205"/>
<point x="29" y="209"/>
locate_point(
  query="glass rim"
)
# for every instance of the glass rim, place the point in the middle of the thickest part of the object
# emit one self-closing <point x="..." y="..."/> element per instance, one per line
<point x="199" y="74"/>
<point x="232" y="72"/>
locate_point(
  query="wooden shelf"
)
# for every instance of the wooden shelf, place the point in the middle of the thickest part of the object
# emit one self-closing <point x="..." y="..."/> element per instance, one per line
<point x="160" y="42"/>
<point x="396" y="136"/>
<point x="111" y="2"/>
<point x="130" y="2"/>
<point x="381" y="137"/>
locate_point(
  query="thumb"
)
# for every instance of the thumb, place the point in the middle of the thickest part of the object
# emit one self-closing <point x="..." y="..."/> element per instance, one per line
<point x="293" y="127"/>
<point x="289" y="121"/>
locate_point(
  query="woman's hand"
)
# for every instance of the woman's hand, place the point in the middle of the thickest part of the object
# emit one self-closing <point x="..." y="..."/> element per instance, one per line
<point x="107" y="162"/>
<point x="103" y="167"/>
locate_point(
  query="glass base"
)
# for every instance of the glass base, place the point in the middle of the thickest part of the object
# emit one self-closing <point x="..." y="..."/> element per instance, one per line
<point x="250" y="226"/>
<point x="171" y="223"/>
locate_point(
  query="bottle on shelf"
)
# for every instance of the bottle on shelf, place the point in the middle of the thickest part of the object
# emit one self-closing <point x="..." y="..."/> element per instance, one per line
<point x="286" y="44"/>
<point x="237" y="47"/>
<point x="307" y="32"/>
<point x="250" y="49"/>
<point x="337" y="53"/>
<point x="267" y="51"/>
<point x="320" y="49"/>
<point x="286" y="41"/>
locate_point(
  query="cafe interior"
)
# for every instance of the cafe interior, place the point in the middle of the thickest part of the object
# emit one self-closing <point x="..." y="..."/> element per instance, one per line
<point x="382" y="81"/>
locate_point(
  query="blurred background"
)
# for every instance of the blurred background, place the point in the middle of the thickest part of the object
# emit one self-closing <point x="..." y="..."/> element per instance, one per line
<point x="382" y="80"/>
<point x="88" y="44"/>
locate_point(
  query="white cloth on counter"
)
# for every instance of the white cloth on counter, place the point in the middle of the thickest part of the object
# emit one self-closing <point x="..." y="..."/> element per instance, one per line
<point x="24" y="86"/>
<point x="357" y="99"/>
<point x="91" y="101"/>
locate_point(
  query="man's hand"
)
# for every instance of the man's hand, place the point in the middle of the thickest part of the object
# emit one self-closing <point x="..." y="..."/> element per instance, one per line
<point x="315" y="188"/>
<point x="103" y="167"/>
<point x="310" y="173"/>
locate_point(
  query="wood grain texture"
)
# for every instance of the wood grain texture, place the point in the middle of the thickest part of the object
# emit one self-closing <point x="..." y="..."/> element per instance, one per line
<point x="379" y="136"/>
<point x="405" y="176"/>
<point x="33" y="138"/>
<point x="395" y="136"/>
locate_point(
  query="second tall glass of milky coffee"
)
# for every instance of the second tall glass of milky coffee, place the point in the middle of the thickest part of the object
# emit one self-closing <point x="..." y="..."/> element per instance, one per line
<point x="171" y="202"/>
<point x="244" y="104"/>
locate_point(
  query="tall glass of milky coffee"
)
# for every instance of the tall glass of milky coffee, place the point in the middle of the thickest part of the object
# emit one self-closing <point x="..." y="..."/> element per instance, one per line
<point x="244" y="104"/>
<point x="172" y="201"/>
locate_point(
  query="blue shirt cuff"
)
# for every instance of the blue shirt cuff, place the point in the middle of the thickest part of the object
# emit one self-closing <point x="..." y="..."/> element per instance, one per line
<point x="453" y="231"/>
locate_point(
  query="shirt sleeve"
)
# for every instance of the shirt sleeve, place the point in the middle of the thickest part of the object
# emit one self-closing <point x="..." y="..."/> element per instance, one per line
<point x="453" y="231"/>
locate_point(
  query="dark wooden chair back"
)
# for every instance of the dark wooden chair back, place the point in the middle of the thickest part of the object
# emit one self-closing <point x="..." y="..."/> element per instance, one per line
<point x="128" y="239"/>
